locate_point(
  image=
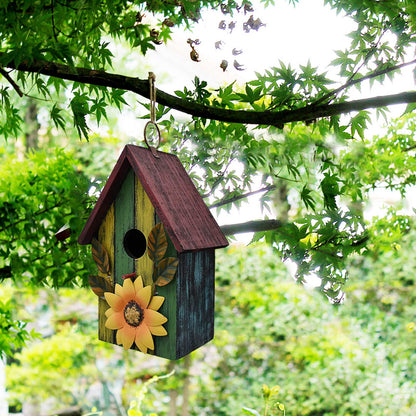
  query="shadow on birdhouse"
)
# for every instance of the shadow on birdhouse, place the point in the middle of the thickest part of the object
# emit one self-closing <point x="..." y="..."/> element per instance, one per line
<point x="151" y="222"/>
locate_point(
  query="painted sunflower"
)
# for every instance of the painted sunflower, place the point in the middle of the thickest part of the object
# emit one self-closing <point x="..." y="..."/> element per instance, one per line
<point x="133" y="313"/>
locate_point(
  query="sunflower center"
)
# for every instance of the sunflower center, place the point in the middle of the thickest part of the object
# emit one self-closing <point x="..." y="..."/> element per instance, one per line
<point x="133" y="313"/>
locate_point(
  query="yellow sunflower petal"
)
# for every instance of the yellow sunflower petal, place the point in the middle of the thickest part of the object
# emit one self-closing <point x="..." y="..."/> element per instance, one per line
<point x="115" y="321"/>
<point x="141" y="346"/>
<point x="153" y="318"/>
<point x="127" y="335"/>
<point x="119" y="338"/>
<point x="118" y="290"/>
<point x="143" y="296"/>
<point x="158" y="330"/>
<point x="144" y="336"/>
<point x="138" y="283"/>
<point x="109" y="312"/>
<point x="115" y="301"/>
<point x="128" y="289"/>
<point x="156" y="302"/>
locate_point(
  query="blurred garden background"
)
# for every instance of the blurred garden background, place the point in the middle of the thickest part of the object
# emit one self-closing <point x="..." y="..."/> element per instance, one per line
<point x="315" y="309"/>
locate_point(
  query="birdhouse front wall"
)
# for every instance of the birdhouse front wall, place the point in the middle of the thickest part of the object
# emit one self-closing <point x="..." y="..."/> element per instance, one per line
<point x="131" y="210"/>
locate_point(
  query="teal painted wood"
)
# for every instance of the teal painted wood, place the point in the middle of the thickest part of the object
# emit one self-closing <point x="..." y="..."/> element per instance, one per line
<point x="166" y="346"/>
<point x="195" y="301"/>
<point x="124" y="221"/>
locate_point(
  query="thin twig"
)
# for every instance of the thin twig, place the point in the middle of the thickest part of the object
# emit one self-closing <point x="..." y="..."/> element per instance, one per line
<point x="242" y="196"/>
<point x="13" y="84"/>
<point x="35" y="214"/>
<point x="350" y="82"/>
<point x="251" y="226"/>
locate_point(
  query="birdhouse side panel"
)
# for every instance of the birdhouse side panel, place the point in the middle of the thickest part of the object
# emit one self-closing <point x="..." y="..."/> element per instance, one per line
<point x="106" y="238"/>
<point x="144" y="222"/>
<point x="195" y="300"/>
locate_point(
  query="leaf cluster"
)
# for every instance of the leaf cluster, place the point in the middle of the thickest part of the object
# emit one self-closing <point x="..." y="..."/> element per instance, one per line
<point x="270" y="331"/>
<point x="13" y="333"/>
<point x="48" y="193"/>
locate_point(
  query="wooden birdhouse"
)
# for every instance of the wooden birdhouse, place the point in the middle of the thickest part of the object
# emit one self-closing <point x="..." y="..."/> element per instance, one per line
<point x="150" y="221"/>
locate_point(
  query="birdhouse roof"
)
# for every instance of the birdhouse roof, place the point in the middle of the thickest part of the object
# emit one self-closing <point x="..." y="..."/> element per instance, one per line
<point x="187" y="220"/>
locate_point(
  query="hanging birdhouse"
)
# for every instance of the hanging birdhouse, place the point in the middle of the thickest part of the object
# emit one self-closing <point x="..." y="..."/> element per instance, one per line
<point x="153" y="239"/>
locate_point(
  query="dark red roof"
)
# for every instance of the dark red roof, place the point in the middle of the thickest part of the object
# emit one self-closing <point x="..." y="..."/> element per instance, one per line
<point x="187" y="220"/>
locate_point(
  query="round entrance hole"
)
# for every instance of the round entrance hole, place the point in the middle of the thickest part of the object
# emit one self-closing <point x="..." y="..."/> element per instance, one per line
<point x="134" y="243"/>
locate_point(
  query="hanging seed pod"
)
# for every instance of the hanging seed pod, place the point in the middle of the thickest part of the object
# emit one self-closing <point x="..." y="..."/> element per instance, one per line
<point x="194" y="55"/>
<point x="238" y="66"/>
<point x="168" y="22"/>
<point x="155" y="37"/>
<point x="218" y="44"/>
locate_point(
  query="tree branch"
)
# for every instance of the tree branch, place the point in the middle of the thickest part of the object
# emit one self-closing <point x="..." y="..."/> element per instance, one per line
<point x="236" y="198"/>
<point x="12" y="83"/>
<point x="266" y="118"/>
<point x="251" y="226"/>
<point x="351" y="82"/>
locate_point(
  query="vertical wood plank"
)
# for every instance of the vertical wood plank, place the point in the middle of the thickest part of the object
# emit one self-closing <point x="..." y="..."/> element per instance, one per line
<point x="106" y="238"/>
<point x="195" y="300"/>
<point x="144" y="221"/>
<point x="124" y="221"/>
<point x="166" y="346"/>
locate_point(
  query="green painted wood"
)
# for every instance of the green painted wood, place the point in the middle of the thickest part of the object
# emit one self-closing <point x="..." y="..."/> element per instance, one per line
<point x="166" y="346"/>
<point x="124" y="221"/>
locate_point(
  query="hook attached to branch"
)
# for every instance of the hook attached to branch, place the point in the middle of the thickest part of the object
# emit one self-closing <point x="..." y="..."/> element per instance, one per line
<point x="151" y="126"/>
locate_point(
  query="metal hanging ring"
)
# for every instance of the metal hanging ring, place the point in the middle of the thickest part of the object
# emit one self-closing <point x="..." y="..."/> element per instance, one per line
<point x="152" y="148"/>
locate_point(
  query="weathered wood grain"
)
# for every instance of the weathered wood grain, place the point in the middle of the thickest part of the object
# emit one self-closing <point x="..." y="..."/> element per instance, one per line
<point x="141" y="191"/>
<point x="173" y="195"/>
<point x="166" y="346"/>
<point x="124" y="221"/>
<point x="195" y="301"/>
<point x="106" y="238"/>
<point x="144" y="221"/>
<point x="176" y="200"/>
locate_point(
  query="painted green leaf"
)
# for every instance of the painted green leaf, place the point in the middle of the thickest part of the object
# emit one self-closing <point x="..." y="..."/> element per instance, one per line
<point x="100" y="284"/>
<point x="157" y="243"/>
<point x="166" y="270"/>
<point x="100" y="256"/>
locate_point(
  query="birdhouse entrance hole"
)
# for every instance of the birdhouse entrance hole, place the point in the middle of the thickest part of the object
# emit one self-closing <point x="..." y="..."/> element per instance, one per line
<point x="134" y="243"/>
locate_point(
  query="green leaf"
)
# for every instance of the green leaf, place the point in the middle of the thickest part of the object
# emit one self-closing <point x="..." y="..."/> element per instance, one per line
<point x="80" y="109"/>
<point x="410" y="108"/>
<point x="56" y="117"/>
<point x="157" y="243"/>
<point x="166" y="270"/>
<point x="330" y="189"/>
<point x="307" y="198"/>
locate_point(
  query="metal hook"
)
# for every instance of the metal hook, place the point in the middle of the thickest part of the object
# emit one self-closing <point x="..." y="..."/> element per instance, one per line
<point x="153" y="149"/>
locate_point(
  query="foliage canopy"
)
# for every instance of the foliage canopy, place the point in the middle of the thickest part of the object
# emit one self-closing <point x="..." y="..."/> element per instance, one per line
<point x="295" y="136"/>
